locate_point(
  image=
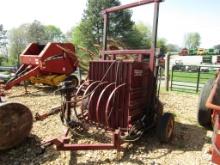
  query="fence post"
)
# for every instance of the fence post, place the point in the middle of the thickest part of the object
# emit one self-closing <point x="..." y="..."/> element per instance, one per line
<point x="198" y="80"/>
<point x="79" y="74"/>
<point x="167" y="75"/>
<point x="171" y="86"/>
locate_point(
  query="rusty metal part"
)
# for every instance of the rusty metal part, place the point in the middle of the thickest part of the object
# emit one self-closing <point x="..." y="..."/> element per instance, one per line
<point x="42" y="117"/>
<point x="86" y="95"/>
<point x="101" y="102"/>
<point x="109" y="108"/>
<point x="63" y="143"/>
<point x="15" y="124"/>
<point x="94" y="98"/>
<point x="130" y="5"/>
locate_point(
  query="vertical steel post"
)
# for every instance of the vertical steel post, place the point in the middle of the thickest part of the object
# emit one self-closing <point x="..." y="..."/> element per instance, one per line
<point x="154" y="33"/>
<point x="198" y="80"/>
<point x="167" y="69"/>
<point x="154" y="60"/>
<point x="155" y="25"/>
<point x="105" y="31"/>
<point x="172" y="79"/>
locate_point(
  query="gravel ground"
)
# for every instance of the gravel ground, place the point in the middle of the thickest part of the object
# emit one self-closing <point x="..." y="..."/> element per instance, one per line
<point x="188" y="146"/>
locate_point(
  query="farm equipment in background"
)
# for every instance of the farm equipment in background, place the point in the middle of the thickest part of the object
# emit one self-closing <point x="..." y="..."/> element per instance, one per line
<point x="217" y="51"/>
<point x="120" y="96"/>
<point x="184" y="52"/>
<point x="217" y="60"/>
<point x="47" y="64"/>
<point x="201" y="51"/>
<point x="192" y="52"/>
<point x="210" y="51"/>
<point x="207" y="59"/>
<point x="179" y="66"/>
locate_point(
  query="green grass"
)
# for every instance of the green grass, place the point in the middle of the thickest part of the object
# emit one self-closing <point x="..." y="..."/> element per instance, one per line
<point x="191" y="77"/>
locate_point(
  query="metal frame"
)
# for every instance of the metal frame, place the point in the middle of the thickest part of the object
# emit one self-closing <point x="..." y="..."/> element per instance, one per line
<point x="106" y="13"/>
<point x="63" y="143"/>
<point x="191" y="87"/>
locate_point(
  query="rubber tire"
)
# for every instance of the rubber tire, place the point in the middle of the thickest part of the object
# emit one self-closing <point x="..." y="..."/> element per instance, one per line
<point x="16" y="122"/>
<point x="163" y="128"/>
<point x="74" y="79"/>
<point x="204" y="114"/>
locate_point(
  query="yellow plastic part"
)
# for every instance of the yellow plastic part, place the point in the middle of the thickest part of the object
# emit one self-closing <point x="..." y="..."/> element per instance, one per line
<point x="52" y="80"/>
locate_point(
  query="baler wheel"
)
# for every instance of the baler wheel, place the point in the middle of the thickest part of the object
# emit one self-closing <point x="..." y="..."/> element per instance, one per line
<point x="73" y="79"/>
<point x="16" y="121"/>
<point x="165" y="127"/>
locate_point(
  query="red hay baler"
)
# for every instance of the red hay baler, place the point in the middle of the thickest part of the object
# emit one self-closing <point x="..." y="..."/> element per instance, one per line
<point x="48" y="64"/>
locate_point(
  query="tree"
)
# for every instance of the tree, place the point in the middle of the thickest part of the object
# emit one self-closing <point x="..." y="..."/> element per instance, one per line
<point x="69" y="35"/>
<point x="3" y="41"/>
<point x="173" y="48"/>
<point x="192" y="40"/>
<point x="18" y="41"/>
<point x="161" y="43"/>
<point x="77" y="38"/>
<point x="90" y="30"/>
<point x="139" y="37"/>
<point x="217" y="46"/>
<point x="54" y="34"/>
<point x="36" y="33"/>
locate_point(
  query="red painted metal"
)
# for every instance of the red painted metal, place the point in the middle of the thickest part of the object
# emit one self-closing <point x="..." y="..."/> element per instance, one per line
<point x="127" y="6"/>
<point x="216" y="139"/>
<point x="126" y="52"/>
<point x="111" y="111"/>
<point x="33" y="71"/>
<point x="63" y="144"/>
<point x="129" y="102"/>
<point x="93" y="98"/>
<point x="37" y="60"/>
<point x="102" y="100"/>
<point x="119" y="92"/>
<point x="216" y="121"/>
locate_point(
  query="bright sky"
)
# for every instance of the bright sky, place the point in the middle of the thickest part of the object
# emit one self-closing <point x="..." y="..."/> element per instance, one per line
<point x="177" y="17"/>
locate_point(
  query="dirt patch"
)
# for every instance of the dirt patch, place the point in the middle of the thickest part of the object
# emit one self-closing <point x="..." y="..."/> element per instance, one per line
<point x="189" y="144"/>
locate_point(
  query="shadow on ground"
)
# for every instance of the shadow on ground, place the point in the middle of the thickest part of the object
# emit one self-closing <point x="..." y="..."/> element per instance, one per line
<point x="29" y="152"/>
<point x="186" y="138"/>
<point x="40" y="90"/>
